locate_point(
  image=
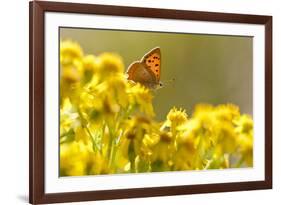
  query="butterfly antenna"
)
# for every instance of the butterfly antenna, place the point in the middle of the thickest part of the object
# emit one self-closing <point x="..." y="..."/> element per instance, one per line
<point x="169" y="81"/>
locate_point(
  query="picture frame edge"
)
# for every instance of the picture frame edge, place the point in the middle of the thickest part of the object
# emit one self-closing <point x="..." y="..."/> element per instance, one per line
<point x="37" y="193"/>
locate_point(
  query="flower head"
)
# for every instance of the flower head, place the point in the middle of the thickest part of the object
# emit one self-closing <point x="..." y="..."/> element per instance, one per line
<point x="176" y="118"/>
<point x="90" y="67"/>
<point x="70" y="51"/>
<point x="73" y="158"/>
<point x="109" y="65"/>
<point x="141" y="97"/>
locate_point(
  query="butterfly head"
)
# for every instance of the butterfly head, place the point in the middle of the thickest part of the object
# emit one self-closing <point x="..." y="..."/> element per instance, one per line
<point x="159" y="85"/>
<point x="162" y="84"/>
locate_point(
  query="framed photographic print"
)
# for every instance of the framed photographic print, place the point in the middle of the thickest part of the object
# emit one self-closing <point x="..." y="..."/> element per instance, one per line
<point x="139" y="102"/>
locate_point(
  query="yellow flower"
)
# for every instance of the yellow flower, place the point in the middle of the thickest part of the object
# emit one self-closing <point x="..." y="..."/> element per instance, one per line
<point x="90" y="107"/>
<point x="141" y="97"/>
<point x="98" y="165"/>
<point x="205" y="114"/>
<point x="116" y="86"/>
<point x="72" y="73"/>
<point x="224" y="138"/>
<point x="82" y="135"/>
<point x="108" y="98"/>
<point x="137" y="127"/>
<point x="71" y="69"/>
<point x="68" y="120"/>
<point x="150" y="140"/>
<point x="109" y="64"/>
<point x="69" y="51"/>
<point x="78" y="158"/>
<point x="90" y="67"/>
<point x="191" y="127"/>
<point x="136" y="132"/>
<point x="73" y="158"/>
<point x="89" y="62"/>
<point x="162" y="152"/>
<point x="246" y="148"/>
<point x="227" y="112"/>
<point x="245" y="139"/>
<point x="244" y="124"/>
<point x="186" y="157"/>
<point x="176" y="118"/>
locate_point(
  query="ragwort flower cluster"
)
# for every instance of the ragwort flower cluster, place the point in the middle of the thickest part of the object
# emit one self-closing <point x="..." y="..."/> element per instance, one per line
<point x="107" y="124"/>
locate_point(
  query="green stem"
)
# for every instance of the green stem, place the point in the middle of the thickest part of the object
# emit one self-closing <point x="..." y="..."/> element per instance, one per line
<point x="95" y="147"/>
<point x="110" y="146"/>
<point x="84" y="125"/>
<point x="114" y="139"/>
<point x="132" y="156"/>
<point x="112" y="155"/>
<point x="240" y="162"/>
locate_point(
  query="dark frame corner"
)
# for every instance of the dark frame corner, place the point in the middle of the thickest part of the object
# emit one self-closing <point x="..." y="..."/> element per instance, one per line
<point x="36" y="101"/>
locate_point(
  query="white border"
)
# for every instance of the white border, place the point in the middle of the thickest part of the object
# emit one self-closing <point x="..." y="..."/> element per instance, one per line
<point x="54" y="184"/>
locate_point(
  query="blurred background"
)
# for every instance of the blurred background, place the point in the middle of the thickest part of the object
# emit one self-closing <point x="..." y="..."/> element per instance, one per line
<point x="211" y="69"/>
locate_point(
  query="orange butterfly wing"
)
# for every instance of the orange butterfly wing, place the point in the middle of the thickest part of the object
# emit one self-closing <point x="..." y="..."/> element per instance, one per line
<point x="152" y="62"/>
<point x="132" y="70"/>
<point x="138" y="73"/>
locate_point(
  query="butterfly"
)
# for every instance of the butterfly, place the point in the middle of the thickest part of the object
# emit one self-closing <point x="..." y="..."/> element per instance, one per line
<point x="147" y="71"/>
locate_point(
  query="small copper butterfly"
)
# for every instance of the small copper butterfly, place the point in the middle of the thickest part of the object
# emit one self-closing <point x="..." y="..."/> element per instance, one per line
<point x="147" y="70"/>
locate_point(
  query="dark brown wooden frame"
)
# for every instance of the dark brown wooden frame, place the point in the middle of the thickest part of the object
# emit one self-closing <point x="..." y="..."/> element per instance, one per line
<point x="37" y="10"/>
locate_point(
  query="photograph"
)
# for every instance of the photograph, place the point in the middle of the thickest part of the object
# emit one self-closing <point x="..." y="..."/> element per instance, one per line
<point x="148" y="101"/>
<point x="129" y="102"/>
